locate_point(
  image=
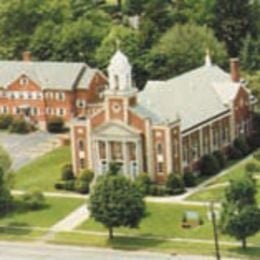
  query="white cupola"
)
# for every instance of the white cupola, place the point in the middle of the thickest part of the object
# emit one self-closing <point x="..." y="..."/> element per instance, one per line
<point x="120" y="73"/>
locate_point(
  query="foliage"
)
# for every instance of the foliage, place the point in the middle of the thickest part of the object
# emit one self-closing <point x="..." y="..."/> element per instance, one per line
<point x="55" y="124"/>
<point x="21" y="126"/>
<point x="175" y="184"/>
<point x="5" y="160"/>
<point x="222" y="160"/>
<point x="250" y="54"/>
<point x="243" y="224"/>
<point x="234" y="153"/>
<point x="115" y="201"/>
<point x="67" y="172"/>
<point x="241" y="192"/>
<point x="34" y="199"/>
<point x="209" y="165"/>
<point x="240" y="215"/>
<point x="87" y="175"/>
<point x="240" y="143"/>
<point x="251" y="167"/>
<point x="183" y="48"/>
<point x="257" y="155"/>
<point x="143" y="181"/>
<point x="157" y="190"/>
<point x="189" y="179"/>
<point x="232" y="22"/>
<point x="5" y="121"/>
<point x="5" y="195"/>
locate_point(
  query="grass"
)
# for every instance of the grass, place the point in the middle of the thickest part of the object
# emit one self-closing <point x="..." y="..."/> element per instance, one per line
<point x="43" y="172"/>
<point x="235" y="172"/>
<point x="154" y="245"/>
<point x="161" y="220"/>
<point x="55" y="210"/>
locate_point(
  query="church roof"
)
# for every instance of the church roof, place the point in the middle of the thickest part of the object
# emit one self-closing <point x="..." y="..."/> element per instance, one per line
<point x="48" y="75"/>
<point x="192" y="97"/>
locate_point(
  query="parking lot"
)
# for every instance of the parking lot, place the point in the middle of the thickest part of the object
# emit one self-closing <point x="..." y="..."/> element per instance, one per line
<point x="25" y="148"/>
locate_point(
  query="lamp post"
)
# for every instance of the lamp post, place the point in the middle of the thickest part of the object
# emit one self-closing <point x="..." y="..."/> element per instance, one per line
<point x="215" y="231"/>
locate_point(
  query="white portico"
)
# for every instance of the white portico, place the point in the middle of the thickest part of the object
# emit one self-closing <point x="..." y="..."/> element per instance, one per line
<point x="116" y="142"/>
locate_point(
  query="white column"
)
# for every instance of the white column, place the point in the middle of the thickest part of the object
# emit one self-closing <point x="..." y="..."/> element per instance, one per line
<point x="201" y="141"/>
<point x="125" y="159"/>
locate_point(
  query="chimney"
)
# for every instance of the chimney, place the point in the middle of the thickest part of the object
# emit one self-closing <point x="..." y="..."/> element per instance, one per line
<point x="235" y="69"/>
<point x="27" y="56"/>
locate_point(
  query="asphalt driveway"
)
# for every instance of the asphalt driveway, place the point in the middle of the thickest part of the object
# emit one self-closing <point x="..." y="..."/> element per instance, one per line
<point x="25" y="148"/>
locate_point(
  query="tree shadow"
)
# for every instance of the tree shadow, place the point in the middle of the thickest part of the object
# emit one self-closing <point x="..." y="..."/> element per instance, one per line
<point x="133" y="243"/>
<point x="249" y="252"/>
<point x="16" y="228"/>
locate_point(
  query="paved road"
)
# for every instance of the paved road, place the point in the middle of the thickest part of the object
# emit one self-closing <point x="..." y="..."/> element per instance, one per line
<point x="25" y="148"/>
<point x="24" y="251"/>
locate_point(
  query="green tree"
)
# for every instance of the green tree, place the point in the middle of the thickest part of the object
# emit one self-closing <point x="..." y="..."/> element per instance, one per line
<point x="232" y="23"/>
<point x="209" y="165"/>
<point x="134" y="7"/>
<point x="5" y="195"/>
<point x="240" y="216"/>
<point x="250" y="54"/>
<point x="182" y="48"/>
<point x="115" y="201"/>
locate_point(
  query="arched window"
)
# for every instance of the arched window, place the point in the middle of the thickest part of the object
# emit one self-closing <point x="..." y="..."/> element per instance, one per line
<point x="159" y="148"/>
<point x="81" y="145"/>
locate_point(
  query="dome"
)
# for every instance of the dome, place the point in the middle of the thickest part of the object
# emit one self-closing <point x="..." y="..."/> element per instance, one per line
<point x="119" y="61"/>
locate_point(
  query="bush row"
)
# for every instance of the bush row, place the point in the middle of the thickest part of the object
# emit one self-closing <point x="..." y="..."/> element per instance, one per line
<point x="15" y="125"/>
<point x="69" y="182"/>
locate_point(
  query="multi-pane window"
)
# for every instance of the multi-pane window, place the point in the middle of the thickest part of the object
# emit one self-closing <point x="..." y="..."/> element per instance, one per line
<point x="81" y="145"/>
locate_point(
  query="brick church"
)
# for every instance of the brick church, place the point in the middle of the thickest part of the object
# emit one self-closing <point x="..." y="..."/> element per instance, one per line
<point x="165" y="128"/>
<point x="38" y="91"/>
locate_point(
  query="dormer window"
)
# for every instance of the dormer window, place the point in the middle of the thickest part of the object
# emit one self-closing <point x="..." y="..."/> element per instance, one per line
<point x="24" y="81"/>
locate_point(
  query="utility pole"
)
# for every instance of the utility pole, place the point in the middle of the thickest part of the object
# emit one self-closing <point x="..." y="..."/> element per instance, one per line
<point x="215" y="231"/>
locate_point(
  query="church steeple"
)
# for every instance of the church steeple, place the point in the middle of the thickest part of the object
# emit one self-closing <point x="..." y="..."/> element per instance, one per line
<point x="208" y="62"/>
<point x="120" y="73"/>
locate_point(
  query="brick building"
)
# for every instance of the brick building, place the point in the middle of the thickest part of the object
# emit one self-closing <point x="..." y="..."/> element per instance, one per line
<point x="165" y="128"/>
<point x="40" y="90"/>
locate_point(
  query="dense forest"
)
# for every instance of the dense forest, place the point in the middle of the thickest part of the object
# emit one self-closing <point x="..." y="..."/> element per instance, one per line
<point x="162" y="38"/>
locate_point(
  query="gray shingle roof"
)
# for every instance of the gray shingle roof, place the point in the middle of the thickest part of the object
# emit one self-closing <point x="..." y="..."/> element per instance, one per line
<point x="192" y="96"/>
<point x="49" y="75"/>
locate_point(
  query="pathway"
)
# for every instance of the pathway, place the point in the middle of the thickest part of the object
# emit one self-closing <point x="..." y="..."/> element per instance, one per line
<point x="69" y="223"/>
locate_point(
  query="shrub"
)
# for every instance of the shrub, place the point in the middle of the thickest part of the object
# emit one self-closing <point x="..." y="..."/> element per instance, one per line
<point x="143" y="181"/>
<point x="55" y="124"/>
<point x="257" y="155"/>
<point x="6" y="121"/>
<point x="34" y="199"/>
<point x="157" y="190"/>
<point x="67" y="172"/>
<point x="82" y="186"/>
<point x="175" y="184"/>
<point x="189" y="179"/>
<point x="87" y="176"/>
<point x="59" y="186"/>
<point x="251" y="167"/>
<point x="240" y="143"/>
<point x="222" y="160"/>
<point x="20" y="126"/>
<point x="234" y="153"/>
<point x="209" y="165"/>
<point x="69" y="185"/>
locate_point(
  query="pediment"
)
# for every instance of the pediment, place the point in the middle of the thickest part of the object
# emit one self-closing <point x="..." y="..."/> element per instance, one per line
<point x="116" y="129"/>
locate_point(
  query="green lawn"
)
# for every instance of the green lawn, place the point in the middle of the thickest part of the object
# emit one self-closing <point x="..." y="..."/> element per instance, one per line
<point x="44" y="171"/>
<point x="155" y="245"/>
<point x="162" y="220"/>
<point x="236" y="172"/>
<point x="55" y="210"/>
